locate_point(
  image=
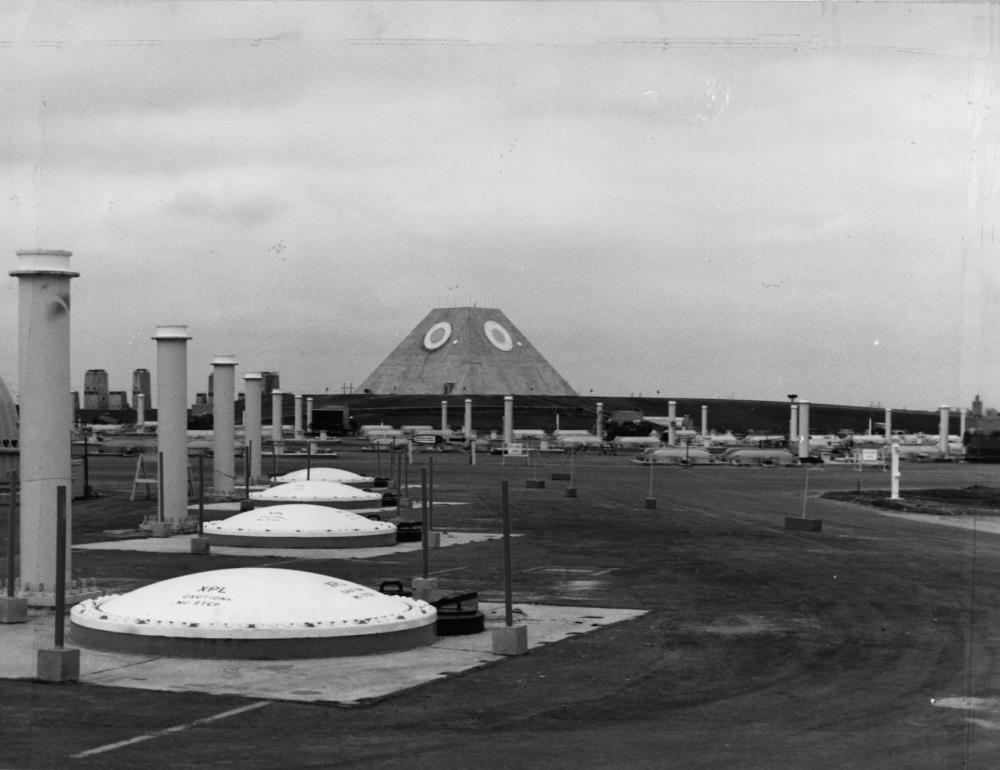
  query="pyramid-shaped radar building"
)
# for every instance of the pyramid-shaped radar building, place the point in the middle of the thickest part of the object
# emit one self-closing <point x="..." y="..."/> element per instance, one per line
<point x="470" y="350"/>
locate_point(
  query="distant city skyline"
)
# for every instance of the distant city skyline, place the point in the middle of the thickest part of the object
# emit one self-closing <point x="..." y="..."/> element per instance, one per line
<point x="701" y="199"/>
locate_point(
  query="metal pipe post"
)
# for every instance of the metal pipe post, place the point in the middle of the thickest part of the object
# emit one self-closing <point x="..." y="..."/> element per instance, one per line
<point x="430" y="493"/>
<point x="87" y="491"/>
<point x="201" y="493"/>
<point x="424" y="545"/>
<point x="11" y="533"/>
<point x="60" y="565"/>
<point x="508" y="600"/>
<point x="246" y="468"/>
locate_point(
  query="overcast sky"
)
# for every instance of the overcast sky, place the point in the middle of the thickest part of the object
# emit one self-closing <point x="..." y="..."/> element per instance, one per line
<point x="703" y="199"/>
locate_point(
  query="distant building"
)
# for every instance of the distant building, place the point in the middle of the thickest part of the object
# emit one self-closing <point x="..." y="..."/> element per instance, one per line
<point x="141" y="384"/>
<point x="469" y="350"/>
<point x="9" y="456"/>
<point x="270" y="381"/>
<point x="95" y="389"/>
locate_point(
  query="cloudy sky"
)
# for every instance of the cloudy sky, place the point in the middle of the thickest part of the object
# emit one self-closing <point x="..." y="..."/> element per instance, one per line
<point x="704" y="199"/>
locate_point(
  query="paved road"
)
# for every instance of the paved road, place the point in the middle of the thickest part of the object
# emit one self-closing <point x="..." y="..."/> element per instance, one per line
<point x="762" y="648"/>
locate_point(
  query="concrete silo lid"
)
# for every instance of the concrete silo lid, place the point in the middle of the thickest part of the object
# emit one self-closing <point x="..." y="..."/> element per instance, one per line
<point x="298" y="520"/>
<point x="325" y="474"/>
<point x="313" y="491"/>
<point x="253" y="603"/>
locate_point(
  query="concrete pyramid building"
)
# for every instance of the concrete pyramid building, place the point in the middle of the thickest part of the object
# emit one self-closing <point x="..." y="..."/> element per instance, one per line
<point x="466" y="350"/>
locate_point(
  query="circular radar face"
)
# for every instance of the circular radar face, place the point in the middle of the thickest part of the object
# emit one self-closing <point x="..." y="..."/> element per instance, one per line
<point x="499" y="336"/>
<point x="437" y="335"/>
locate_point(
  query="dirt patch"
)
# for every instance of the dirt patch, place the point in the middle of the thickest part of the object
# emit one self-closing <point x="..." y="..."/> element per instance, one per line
<point x="967" y="501"/>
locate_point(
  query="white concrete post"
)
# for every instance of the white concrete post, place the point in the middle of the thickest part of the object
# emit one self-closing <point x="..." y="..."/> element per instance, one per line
<point x="793" y="428"/>
<point x="223" y="425"/>
<point x="309" y="415"/>
<point x="803" y="430"/>
<point x="704" y="423"/>
<point x="46" y="415"/>
<point x="508" y="421"/>
<point x="894" y="494"/>
<point x="961" y="423"/>
<point x="298" y="415"/>
<point x="467" y="425"/>
<point x="140" y="410"/>
<point x="943" y="429"/>
<point x="444" y="416"/>
<point x="171" y="430"/>
<point x="888" y="424"/>
<point x="276" y="416"/>
<point x="599" y="423"/>
<point x="252" y="422"/>
<point x="672" y="429"/>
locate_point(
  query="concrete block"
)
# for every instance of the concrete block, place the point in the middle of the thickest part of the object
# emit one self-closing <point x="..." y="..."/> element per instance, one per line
<point x="433" y="539"/>
<point x="510" y="640"/>
<point x="13" y="609"/>
<point x="200" y="544"/>
<point x="570" y="491"/>
<point x="425" y="589"/>
<point x="60" y="664"/>
<point x="161" y="529"/>
<point x="535" y="484"/>
<point x="802" y="524"/>
<point x="651" y="503"/>
<point x="560" y="477"/>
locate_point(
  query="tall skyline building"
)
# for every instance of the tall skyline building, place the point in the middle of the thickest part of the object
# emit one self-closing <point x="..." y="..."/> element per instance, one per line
<point x="95" y="389"/>
<point x="141" y="384"/>
<point x="269" y="382"/>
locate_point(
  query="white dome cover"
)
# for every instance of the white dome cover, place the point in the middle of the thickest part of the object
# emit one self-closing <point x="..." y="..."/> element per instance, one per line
<point x="253" y="603"/>
<point x="297" y="519"/>
<point x="325" y="474"/>
<point x="307" y="491"/>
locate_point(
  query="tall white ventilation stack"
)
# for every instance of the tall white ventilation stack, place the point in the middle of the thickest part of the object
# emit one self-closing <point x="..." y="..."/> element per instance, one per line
<point x="803" y="430"/>
<point x="46" y="418"/>
<point x="223" y="425"/>
<point x="944" y="413"/>
<point x="252" y="421"/>
<point x="276" y="417"/>
<point x="171" y="417"/>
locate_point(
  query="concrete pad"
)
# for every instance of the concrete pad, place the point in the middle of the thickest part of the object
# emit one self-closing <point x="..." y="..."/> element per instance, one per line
<point x="182" y="544"/>
<point x="347" y="680"/>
